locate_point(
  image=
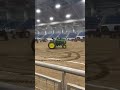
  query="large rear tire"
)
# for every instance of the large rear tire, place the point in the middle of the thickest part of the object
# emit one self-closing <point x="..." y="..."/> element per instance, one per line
<point x="51" y="45"/>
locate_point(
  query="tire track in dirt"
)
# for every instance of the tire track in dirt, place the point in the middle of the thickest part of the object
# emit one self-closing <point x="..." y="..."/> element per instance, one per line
<point x="104" y="69"/>
<point x="11" y="70"/>
<point x="17" y="81"/>
<point x="15" y="73"/>
<point x="65" y="58"/>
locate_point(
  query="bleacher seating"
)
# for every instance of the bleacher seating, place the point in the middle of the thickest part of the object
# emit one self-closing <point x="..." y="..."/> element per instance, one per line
<point x="81" y="34"/>
<point x="2" y="23"/>
<point x="39" y="36"/>
<point x="54" y="35"/>
<point x="12" y="24"/>
<point x="112" y="20"/>
<point x="29" y="24"/>
<point x="47" y="36"/>
<point x="72" y="35"/>
<point x="92" y="22"/>
<point x="62" y="35"/>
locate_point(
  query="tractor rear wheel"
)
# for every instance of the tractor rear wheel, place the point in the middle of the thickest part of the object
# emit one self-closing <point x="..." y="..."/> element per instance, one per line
<point x="51" y="45"/>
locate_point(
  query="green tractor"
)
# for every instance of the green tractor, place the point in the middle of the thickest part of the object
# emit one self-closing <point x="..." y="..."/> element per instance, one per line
<point x="57" y="42"/>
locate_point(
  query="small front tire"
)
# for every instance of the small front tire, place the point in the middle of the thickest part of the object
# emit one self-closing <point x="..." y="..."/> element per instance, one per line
<point x="64" y="46"/>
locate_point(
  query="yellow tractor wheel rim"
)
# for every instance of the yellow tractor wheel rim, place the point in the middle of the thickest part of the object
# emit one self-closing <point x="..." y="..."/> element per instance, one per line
<point x="51" y="45"/>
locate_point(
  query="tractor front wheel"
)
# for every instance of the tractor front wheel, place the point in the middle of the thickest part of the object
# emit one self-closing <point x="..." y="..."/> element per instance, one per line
<point x="64" y="46"/>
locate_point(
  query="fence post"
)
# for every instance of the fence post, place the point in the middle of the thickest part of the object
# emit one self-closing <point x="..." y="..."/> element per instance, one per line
<point x="60" y="86"/>
<point x="63" y="81"/>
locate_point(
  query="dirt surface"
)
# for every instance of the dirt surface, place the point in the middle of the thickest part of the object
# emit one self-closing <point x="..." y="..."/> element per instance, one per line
<point x="102" y="64"/>
<point x="73" y="56"/>
<point x="17" y="62"/>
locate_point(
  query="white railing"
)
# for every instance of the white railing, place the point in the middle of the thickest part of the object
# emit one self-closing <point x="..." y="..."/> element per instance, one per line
<point x="62" y="85"/>
<point x="75" y="87"/>
<point x="50" y="79"/>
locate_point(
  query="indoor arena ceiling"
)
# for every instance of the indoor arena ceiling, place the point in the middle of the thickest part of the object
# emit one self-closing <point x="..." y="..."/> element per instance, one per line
<point x="75" y="8"/>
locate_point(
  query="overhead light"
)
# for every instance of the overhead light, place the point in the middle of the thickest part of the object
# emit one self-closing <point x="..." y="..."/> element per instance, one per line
<point x="83" y="0"/>
<point x="68" y="16"/>
<point x="38" y="11"/>
<point x="51" y="18"/>
<point x="38" y="20"/>
<point x="57" y="6"/>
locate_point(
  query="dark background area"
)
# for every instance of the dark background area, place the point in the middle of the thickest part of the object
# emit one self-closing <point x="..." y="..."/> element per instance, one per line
<point x="102" y="54"/>
<point x="102" y="44"/>
<point x="16" y="35"/>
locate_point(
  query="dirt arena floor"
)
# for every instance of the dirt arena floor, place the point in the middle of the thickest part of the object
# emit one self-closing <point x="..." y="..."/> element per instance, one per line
<point x="17" y="62"/>
<point x="103" y="64"/>
<point x="102" y="71"/>
<point x="73" y="56"/>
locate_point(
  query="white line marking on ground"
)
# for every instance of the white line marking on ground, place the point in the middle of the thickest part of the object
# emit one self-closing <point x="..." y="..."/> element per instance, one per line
<point x="99" y="86"/>
<point x="54" y="58"/>
<point x="38" y="88"/>
<point x="45" y="58"/>
<point x="76" y="62"/>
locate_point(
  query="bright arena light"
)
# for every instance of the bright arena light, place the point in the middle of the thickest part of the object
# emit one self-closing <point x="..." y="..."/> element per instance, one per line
<point x="83" y="0"/>
<point x="51" y="18"/>
<point x="68" y="16"/>
<point x="57" y="6"/>
<point x="38" y="20"/>
<point x="38" y="11"/>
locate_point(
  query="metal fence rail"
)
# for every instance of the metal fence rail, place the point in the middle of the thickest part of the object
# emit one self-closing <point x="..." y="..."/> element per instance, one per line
<point x="50" y="79"/>
<point x="62" y="84"/>
<point x="75" y="87"/>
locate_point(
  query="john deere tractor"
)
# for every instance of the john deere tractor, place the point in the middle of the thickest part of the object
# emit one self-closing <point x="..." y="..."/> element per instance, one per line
<point x="57" y="42"/>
